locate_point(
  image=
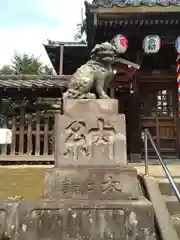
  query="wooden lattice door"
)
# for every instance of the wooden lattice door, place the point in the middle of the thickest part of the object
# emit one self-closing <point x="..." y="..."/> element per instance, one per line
<point x="158" y="114"/>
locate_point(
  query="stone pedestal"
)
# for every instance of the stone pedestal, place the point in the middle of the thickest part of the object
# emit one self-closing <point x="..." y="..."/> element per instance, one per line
<point x="80" y="219"/>
<point x="93" y="194"/>
<point x="92" y="183"/>
<point x="90" y="133"/>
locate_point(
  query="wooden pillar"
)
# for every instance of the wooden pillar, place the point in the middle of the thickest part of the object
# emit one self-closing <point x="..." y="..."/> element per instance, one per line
<point x="61" y="59"/>
<point x="134" y="130"/>
<point x="177" y="120"/>
<point x="112" y="92"/>
<point x="178" y="137"/>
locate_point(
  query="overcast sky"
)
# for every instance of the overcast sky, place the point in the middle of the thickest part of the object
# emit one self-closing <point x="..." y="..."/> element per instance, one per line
<point x="26" y="24"/>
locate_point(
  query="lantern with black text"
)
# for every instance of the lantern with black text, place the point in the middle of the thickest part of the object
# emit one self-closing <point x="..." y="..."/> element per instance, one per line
<point x="120" y="42"/>
<point x="151" y="44"/>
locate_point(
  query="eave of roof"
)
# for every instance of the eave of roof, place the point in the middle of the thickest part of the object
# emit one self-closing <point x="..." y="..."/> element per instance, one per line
<point x="66" y="44"/>
<point x="33" y="81"/>
<point x="133" y="6"/>
<point x="70" y="54"/>
<point x="134" y="3"/>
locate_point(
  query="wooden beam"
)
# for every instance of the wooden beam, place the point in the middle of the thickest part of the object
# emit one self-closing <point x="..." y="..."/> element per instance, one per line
<point x="126" y="62"/>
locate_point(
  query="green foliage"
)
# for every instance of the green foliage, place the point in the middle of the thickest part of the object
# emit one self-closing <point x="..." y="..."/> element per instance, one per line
<point x="25" y="64"/>
<point x="47" y="70"/>
<point x="6" y="70"/>
<point x="21" y="65"/>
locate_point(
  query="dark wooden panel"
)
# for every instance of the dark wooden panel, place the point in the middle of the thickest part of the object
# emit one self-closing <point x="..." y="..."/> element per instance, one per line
<point x="158" y="114"/>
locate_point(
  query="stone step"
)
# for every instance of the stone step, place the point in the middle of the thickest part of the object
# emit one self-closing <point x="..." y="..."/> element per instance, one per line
<point x="176" y="221"/>
<point x="171" y="201"/>
<point x="172" y="204"/>
<point x="160" y="203"/>
<point x="165" y="186"/>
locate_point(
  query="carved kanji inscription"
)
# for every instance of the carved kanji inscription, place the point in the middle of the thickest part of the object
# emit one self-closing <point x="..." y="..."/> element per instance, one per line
<point x="91" y="186"/>
<point x="76" y="140"/>
<point x="110" y="185"/>
<point x="99" y="187"/>
<point x="80" y="140"/>
<point x="72" y="185"/>
<point x="90" y="133"/>
<point x="102" y="134"/>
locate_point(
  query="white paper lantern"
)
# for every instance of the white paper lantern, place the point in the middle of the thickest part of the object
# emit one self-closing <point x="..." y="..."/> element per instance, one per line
<point x="151" y="44"/>
<point x="177" y="44"/>
<point x="120" y="42"/>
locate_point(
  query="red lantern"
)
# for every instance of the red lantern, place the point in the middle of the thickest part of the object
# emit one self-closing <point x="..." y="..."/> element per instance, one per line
<point x="120" y="42"/>
<point x="151" y="44"/>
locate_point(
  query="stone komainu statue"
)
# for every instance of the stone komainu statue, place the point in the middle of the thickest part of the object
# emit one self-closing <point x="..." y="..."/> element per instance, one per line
<point x="89" y="80"/>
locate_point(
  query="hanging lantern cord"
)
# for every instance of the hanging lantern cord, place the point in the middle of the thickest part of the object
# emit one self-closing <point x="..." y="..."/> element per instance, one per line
<point x="178" y="81"/>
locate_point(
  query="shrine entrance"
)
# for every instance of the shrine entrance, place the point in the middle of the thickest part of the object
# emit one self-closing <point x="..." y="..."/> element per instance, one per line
<point x="158" y="113"/>
<point x="153" y="106"/>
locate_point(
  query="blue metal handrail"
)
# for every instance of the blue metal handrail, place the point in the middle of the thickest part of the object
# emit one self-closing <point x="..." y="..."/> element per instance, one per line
<point x="147" y="136"/>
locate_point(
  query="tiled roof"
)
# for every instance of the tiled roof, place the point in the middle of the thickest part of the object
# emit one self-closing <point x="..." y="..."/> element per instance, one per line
<point x="135" y="3"/>
<point x="33" y="81"/>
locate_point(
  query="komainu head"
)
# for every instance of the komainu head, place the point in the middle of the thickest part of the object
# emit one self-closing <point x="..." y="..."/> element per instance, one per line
<point x="104" y="52"/>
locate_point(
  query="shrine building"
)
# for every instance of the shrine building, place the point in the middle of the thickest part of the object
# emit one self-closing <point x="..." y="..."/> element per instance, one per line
<point x="149" y="96"/>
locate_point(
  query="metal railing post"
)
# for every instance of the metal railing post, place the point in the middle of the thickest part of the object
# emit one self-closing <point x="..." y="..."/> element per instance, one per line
<point x="146" y="153"/>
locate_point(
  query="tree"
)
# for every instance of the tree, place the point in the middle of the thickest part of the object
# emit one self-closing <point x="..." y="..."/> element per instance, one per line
<point x="25" y="64"/>
<point x="6" y="70"/>
<point x="47" y="70"/>
<point x="81" y="30"/>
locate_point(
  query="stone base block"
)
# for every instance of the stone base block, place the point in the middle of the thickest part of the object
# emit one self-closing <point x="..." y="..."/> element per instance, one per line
<point x="8" y="221"/>
<point x="82" y="107"/>
<point x="90" y="132"/>
<point x="92" y="183"/>
<point x="116" y="220"/>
